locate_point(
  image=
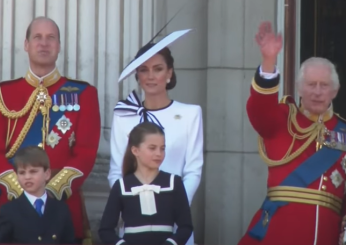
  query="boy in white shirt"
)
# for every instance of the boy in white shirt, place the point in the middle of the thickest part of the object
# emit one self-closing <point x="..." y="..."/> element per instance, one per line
<point x="35" y="217"/>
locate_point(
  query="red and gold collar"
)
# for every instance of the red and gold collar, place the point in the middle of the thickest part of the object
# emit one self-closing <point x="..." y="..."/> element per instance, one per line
<point x="314" y="117"/>
<point x="47" y="80"/>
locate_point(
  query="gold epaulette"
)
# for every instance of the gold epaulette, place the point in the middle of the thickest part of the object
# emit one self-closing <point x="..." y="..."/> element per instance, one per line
<point x="9" y="180"/>
<point x="61" y="183"/>
<point x="287" y="99"/>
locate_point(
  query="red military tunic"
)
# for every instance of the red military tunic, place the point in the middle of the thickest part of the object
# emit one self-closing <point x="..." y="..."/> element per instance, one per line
<point x="76" y="148"/>
<point x="295" y="223"/>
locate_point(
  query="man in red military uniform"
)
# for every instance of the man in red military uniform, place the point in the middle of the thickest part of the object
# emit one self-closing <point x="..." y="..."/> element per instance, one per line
<point x="59" y="114"/>
<point x="304" y="147"/>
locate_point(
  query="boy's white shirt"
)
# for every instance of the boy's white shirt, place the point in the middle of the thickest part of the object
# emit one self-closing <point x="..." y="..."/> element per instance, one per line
<point x="32" y="199"/>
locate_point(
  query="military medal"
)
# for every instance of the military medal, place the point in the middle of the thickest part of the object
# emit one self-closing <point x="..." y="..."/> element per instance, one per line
<point x="64" y="124"/>
<point x="52" y="139"/>
<point x="69" y="106"/>
<point x="62" y="106"/>
<point x="55" y="106"/>
<point x="41" y="97"/>
<point x="343" y="164"/>
<point x="336" y="178"/>
<point x="76" y="106"/>
<point x="71" y="139"/>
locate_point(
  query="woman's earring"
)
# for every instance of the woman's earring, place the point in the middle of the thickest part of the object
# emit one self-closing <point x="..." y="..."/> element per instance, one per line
<point x="168" y="80"/>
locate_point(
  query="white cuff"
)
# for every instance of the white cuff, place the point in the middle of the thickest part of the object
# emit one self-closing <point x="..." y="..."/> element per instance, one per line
<point x="171" y="241"/>
<point x="120" y="242"/>
<point x="267" y="75"/>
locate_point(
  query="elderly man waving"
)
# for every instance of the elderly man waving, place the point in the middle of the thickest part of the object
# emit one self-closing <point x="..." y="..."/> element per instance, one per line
<point x="304" y="147"/>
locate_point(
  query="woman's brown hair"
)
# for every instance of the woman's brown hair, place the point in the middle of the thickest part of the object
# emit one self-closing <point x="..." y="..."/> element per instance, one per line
<point x="136" y="137"/>
<point x="166" y="54"/>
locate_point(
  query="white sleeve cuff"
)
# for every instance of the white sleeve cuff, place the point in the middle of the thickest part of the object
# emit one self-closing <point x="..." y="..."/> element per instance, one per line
<point x="171" y="241"/>
<point x="267" y="75"/>
<point x="120" y="242"/>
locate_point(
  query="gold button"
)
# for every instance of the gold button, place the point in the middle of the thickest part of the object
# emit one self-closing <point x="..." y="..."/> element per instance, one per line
<point x="325" y="178"/>
<point x="39" y="238"/>
<point x="54" y="237"/>
<point x="40" y="145"/>
<point x="324" y="187"/>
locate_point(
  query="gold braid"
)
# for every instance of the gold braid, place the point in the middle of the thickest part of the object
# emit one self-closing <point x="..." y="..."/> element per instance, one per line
<point x="17" y="114"/>
<point x="34" y="104"/>
<point x="310" y="133"/>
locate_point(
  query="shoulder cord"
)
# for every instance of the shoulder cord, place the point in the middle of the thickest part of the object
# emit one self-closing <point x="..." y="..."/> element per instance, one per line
<point x="34" y="105"/>
<point x="310" y="133"/>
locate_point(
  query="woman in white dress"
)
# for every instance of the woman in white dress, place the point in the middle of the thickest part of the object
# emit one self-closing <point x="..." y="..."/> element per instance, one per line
<point x="182" y="123"/>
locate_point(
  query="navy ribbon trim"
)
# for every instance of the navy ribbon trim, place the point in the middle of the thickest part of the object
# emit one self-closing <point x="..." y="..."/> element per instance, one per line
<point x="133" y="106"/>
<point x="34" y="136"/>
<point x="302" y="177"/>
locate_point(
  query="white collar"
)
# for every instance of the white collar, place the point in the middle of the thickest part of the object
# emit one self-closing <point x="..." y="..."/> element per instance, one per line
<point x="32" y="198"/>
<point x="41" y="78"/>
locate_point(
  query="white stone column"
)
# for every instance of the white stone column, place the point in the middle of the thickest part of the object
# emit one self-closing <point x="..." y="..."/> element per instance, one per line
<point x="235" y="175"/>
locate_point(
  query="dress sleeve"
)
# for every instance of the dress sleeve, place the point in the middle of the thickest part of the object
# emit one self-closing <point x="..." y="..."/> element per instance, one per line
<point x="194" y="155"/>
<point x="110" y="217"/>
<point x="182" y="215"/>
<point x="118" y="143"/>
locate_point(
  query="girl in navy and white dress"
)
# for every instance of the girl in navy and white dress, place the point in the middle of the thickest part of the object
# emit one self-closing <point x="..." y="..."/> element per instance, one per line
<point x="182" y="123"/>
<point x="151" y="201"/>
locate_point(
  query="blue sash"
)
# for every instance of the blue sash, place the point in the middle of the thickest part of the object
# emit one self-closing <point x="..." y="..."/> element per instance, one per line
<point x="302" y="177"/>
<point x="34" y="135"/>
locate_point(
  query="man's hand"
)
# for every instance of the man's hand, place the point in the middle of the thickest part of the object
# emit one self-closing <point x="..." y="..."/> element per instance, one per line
<point x="270" y="45"/>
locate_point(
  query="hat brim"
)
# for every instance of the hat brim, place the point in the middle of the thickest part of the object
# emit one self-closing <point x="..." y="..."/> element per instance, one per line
<point x="167" y="41"/>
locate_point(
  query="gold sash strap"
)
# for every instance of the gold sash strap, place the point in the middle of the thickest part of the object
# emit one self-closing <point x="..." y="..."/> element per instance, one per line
<point x="306" y="196"/>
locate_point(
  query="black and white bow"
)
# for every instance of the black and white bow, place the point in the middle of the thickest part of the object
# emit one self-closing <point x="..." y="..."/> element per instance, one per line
<point x="133" y="106"/>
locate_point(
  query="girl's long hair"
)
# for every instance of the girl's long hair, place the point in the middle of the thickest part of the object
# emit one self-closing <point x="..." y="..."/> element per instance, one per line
<point x="136" y="137"/>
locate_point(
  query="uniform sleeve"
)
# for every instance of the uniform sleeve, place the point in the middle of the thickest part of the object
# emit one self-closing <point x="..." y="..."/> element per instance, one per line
<point x="6" y="228"/>
<point x="194" y="155"/>
<point x="87" y="135"/>
<point x="68" y="232"/>
<point x="263" y="109"/>
<point x="182" y="215"/>
<point x="110" y="217"/>
<point x="5" y="167"/>
<point x="118" y="143"/>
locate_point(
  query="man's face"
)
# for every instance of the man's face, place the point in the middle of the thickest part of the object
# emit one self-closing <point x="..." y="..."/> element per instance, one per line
<point x="317" y="90"/>
<point x="43" y="45"/>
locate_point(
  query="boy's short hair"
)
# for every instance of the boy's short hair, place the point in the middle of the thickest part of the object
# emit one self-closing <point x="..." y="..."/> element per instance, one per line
<point x="31" y="156"/>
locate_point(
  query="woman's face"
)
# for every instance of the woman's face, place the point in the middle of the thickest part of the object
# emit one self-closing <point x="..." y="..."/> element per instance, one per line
<point x="153" y="75"/>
